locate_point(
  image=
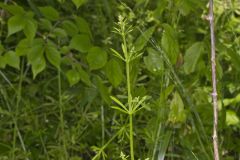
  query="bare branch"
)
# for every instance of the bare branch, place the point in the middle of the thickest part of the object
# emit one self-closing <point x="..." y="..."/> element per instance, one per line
<point x="214" y="82"/>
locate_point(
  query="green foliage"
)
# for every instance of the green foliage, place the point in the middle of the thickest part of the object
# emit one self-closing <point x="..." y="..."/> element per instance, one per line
<point x="75" y="85"/>
<point x="231" y="118"/>
<point x="81" y="43"/>
<point x="73" y="77"/>
<point x="192" y="56"/>
<point x="78" y="3"/>
<point x="50" y="13"/>
<point x="96" y="58"/>
<point x="154" y="62"/>
<point x="177" y="111"/>
<point x="114" y="72"/>
<point x="170" y="43"/>
<point x="11" y="59"/>
<point x="142" y="40"/>
<point x="15" y="24"/>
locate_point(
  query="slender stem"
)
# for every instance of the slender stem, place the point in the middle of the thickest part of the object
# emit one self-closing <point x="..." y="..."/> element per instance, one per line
<point x="16" y="129"/>
<point x="103" y="125"/>
<point x="130" y="110"/>
<point x="108" y="142"/>
<point x="214" y="82"/>
<point x="63" y="140"/>
<point x="131" y="136"/>
<point x="126" y="54"/>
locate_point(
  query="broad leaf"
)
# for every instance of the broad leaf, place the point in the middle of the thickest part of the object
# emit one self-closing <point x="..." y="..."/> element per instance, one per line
<point x="170" y="43"/>
<point x="70" y="28"/>
<point x="53" y="55"/>
<point x="114" y="72"/>
<point x="81" y="43"/>
<point x="12" y="59"/>
<point x="78" y="3"/>
<point x="177" y="113"/>
<point x="154" y="62"/>
<point x="142" y="40"/>
<point x="36" y="58"/>
<point x="235" y="58"/>
<point x="84" y="77"/>
<point x="50" y="13"/>
<point x="83" y="25"/>
<point x="13" y="9"/>
<point x="3" y="62"/>
<point x="30" y="29"/>
<point x="16" y="24"/>
<point x="23" y="47"/>
<point x="36" y="50"/>
<point x="231" y="118"/>
<point x="1" y="49"/>
<point x="45" y="24"/>
<point x="73" y="77"/>
<point x="59" y="32"/>
<point x="192" y="56"/>
<point x="38" y="66"/>
<point x="96" y="58"/>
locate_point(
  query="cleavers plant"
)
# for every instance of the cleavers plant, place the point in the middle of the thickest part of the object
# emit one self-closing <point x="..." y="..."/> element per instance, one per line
<point x="129" y="54"/>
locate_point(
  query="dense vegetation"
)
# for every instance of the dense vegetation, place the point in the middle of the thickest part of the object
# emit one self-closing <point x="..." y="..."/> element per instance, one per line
<point x="109" y="79"/>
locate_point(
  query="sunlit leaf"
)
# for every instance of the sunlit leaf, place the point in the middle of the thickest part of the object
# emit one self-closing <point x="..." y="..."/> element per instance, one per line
<point x="36" y="58"/>
<point x="16" y="24"/>
<point x="53" y="55"/>
<point x="12" y="59"/>
<point x="49" y="12"/>
<point x="23" y="47"/>
<point x="30" y="29"/>
<point x="73" y="77"/>
<point x="231" y="118"/>
<point x="78" y="3"/>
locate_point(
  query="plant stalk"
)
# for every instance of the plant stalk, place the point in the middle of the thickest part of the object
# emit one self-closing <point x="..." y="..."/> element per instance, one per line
<point x="129" y="98"/>
<point x="63" y="138"/>
<point x="130" y="109"/>
<point x="214" y="83"/>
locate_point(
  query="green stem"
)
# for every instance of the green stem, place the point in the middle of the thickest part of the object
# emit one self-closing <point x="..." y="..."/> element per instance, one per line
<point x="63" y="140"/>
<point x="130" y="110"/>
<point x="15" y="116"/>
<point x="108" y="142"/>
<point x="131" y="136"/>
<point x="127" y="61"/>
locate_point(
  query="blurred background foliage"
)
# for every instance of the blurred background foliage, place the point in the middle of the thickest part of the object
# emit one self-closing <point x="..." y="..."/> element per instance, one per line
<point x="58" y="71"/>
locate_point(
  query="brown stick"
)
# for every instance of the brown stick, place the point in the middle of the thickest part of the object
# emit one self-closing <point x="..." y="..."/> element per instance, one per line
<point x="214" y="83"/>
